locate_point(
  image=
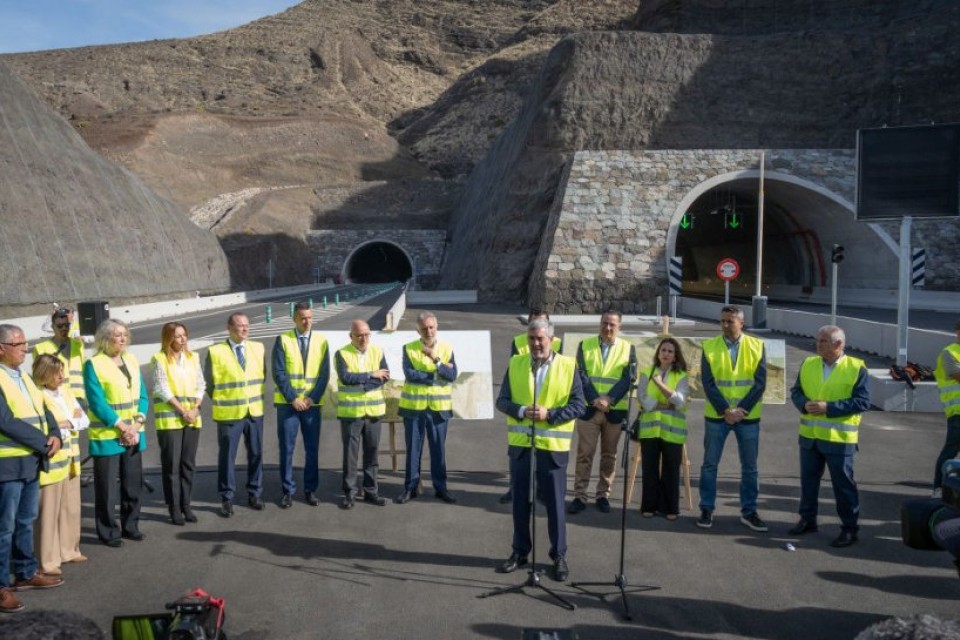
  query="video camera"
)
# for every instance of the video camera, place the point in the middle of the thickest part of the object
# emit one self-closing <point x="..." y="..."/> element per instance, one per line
<point x="195" y="616"/>
<point x="931" y="524"/>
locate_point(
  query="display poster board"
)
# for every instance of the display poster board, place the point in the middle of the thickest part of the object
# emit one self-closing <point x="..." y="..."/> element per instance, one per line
<point x="646" y="344"/>
<point x="472" y="391"/>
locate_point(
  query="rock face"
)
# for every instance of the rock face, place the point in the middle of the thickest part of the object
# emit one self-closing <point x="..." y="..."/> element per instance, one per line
<point x="637" y="90"/>
<point x="77" y="227"/>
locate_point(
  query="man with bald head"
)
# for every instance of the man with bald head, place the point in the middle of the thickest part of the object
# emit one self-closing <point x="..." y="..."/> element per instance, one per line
<point x="361" y="373"/>
<point x="831" y="394"/>
<point x="29" y="437"/>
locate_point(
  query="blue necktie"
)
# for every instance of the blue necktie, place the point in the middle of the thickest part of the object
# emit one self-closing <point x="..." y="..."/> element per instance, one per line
<point x="240" y="357"/>
<point x="304" y="345"/>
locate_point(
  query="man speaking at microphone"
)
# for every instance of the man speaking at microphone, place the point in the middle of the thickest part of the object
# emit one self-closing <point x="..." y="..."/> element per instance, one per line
<point x="542" y="388"/>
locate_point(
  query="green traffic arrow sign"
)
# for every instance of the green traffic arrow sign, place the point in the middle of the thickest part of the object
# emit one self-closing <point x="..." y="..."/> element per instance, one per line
<point x="734" y="221"/>
<point x="685" y="222"/>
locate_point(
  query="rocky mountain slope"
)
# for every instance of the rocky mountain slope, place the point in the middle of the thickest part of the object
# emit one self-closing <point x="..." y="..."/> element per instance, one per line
<point x="77" y="227"/>
<point x="354" y="94"/>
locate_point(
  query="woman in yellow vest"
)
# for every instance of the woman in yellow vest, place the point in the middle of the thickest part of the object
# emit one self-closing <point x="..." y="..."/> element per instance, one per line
<point x="178" y="388"/>
<point x="118" y="406"/>
<point x="57" y="531"/>
<point x="663" y="429"/>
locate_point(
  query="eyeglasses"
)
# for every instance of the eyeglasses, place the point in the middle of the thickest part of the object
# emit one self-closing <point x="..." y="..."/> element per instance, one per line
<point x="61" y="325"/>
<point x="14" y="344"/>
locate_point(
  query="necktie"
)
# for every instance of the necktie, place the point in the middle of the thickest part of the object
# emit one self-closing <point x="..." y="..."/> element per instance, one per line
<point x="240" y="357"/>
<point x="304" y="345"/>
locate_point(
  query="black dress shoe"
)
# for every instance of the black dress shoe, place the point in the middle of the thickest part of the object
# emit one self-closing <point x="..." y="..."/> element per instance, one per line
<point x="446" y="497"/>
<point x="845" y="539"/>
<point x="507" y="498"/>
<point x="510" y="564"/>
<point x="136" y="536"/>
<point x="560" y="570"/>
<point x="189" y="515"/>
<point x="405" y="497"/>
<point x="256" y="503"/>
<point x="114" y="542"/>
<point x="347" y="503"/>
<point x="177" y="518"/>
<point x="286" y="501"/>
<point x="372" y="498"/>
<point x="603" y="505"/>
<point x="802" y="527"/>
<point x="226" y="508"/>
<point x="311" y="499"/>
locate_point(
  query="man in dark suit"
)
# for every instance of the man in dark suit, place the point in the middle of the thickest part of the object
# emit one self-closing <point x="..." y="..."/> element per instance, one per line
<point x="540" y="388"/>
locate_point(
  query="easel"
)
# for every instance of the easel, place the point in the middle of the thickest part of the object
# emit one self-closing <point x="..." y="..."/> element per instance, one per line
<point x="394" y="453"/>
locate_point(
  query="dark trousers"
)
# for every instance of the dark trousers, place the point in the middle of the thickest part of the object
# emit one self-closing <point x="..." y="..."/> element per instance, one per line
<point x="812" y="463"/>
<point x="178" y="461"/>
<point x="951" y="447"/>
<point x="551" y="470"/>
<point x="360" y="434"/>
<point x="661" y="476"/>
<point x="129" y="466"/>
<point x="434" y="426"/>
<point x="289" y="422"/>
<point x="228" y="438"/>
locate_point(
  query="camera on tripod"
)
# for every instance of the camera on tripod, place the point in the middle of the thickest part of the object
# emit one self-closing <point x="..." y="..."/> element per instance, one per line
<point x="195" y="616"/>
<point x="932" y="524"/>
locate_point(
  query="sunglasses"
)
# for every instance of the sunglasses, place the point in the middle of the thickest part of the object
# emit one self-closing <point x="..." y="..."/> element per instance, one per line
<point x="62" y="312"/>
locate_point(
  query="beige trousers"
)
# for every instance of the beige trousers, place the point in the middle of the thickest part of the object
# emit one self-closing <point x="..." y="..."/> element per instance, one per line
<point x="588" y="433"/>
<point x="57" y="531"/>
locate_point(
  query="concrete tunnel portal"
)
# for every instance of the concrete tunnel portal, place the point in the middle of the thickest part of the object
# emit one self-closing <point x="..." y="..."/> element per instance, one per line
<point x="801" y="225"/>
<point x="378" y="261"/>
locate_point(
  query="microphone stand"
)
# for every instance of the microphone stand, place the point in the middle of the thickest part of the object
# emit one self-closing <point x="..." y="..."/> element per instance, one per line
<point x="620" y="580"/>
<point x="533" y="575"/>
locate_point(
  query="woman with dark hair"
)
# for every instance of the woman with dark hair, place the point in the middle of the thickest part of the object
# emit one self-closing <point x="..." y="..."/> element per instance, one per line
<point x="178" y="388"/>
<point x="663" y="429"/>
<point x="118" y="406"/>
<point x="58" y="526"/>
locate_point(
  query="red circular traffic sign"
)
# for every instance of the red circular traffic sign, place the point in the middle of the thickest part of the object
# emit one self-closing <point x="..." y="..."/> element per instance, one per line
<point x="728" y="269"/>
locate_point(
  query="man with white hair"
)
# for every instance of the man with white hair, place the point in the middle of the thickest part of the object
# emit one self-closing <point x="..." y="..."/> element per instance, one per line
<point x="831" y="394"/>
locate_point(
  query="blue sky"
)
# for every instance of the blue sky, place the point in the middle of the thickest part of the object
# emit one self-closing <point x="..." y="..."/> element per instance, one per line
<point x="35" y="25"/>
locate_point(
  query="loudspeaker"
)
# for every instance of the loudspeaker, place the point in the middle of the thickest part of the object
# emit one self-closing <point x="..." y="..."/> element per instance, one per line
<point x="91" y="315"/>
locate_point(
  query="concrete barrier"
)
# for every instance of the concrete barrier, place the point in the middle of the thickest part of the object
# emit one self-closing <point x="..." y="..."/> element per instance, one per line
<point x="879" y="338"/>
<point x="395" y="314"/>
<point x="33" y="325"/>
<point x="442" y="297"/>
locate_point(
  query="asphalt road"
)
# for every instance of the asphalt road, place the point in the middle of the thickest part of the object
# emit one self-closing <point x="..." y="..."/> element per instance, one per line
<point x="417" y="570"/>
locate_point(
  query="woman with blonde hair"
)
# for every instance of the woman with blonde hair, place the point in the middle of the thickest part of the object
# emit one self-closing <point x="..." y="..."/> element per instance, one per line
<point x="118" y="406"/>
<point x="178" y="388"/>
<point x="663" y="429"/>
<point x="57" y="532"/>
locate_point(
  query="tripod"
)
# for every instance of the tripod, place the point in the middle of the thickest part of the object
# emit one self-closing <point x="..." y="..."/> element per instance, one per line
<point x="620" y="580"/>
<point x="533" y="575"/>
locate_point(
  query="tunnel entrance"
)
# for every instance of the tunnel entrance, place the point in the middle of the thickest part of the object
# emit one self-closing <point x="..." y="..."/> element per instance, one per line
<point x="801" y="225"/>
<point x="378" y="261"/>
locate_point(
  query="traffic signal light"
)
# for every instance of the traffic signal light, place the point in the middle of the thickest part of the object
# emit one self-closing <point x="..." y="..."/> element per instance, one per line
<point x="836" y="256"/>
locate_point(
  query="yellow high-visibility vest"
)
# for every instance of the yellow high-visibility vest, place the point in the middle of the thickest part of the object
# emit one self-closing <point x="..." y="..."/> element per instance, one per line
<point x="352" y="400"/>
<point x="604" y="374"/>
<point x="949" y="388"/>
<point x="65" y="463"/>
<point x="73" y="364"/>
<point x="29" y="410"/>
<point x="182" y="386"/>
<point x="121" y="394"/>
<point x="733" y="382"/>
<point x="436" y="395"/>
<point x="837" y="386"/>
<point x="237" y="392"/>
<point x="302" y="380"/>
<point x="523" y="347"/>
<point x="670" y="425"/>
<point x="554" y="393"/>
